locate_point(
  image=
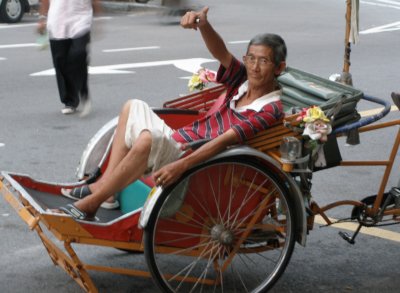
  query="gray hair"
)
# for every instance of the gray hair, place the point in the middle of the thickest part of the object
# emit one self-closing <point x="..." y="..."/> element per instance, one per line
<point x="273" y="41"/>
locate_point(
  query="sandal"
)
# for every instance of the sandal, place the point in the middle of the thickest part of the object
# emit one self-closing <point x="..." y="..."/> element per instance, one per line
<point x="77" y="193"/>
<point x="76" y="213"/>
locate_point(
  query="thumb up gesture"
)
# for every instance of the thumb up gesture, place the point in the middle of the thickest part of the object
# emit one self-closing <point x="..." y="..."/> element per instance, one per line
<point x="194" y="19"/>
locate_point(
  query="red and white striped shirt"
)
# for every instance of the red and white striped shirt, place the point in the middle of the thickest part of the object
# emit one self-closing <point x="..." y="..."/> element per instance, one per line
<point x="246" y="122"/>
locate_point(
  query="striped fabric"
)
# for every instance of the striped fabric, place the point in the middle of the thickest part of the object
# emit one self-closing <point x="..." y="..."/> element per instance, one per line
<point x="246" y="123"/>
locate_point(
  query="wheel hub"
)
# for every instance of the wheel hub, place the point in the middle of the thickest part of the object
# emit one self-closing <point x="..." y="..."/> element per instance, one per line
<point x="13" y="8"/>
<point x="222" y="235"/>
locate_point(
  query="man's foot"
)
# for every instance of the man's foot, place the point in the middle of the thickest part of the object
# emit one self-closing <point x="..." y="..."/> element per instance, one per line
<point x="77" y="193"/>
<point x="110" y="205"/>
<point x="68" y="110"/>
<point x="74" y="212"/>
<point x="86" y="103"/>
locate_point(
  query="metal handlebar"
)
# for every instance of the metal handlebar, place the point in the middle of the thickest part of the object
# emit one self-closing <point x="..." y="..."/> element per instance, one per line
<point x="366" y="120"/>
<point x="396" y="99"/>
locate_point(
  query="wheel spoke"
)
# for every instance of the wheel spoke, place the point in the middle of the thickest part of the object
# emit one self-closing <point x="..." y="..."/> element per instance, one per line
<point x="205" y="210"/>
<point x="209" y="262"/>
<point x="245" y="202"/>
<point x="175" y="221"/>
<point x="240" y="276"/>
<point x="245" y="196"/>
<point x="246" y="217"/>
<point x="187" y="236"/>
<point x="217" y="205"/>
<point x="233" y="231"/>
<point x="190" y="218"/>
<point x="191" y="266"/>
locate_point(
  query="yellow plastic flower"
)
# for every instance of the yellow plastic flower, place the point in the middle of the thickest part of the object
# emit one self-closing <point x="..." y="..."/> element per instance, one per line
<point x="314" y="114"/>
<point x="201" y="78"/>
<point x="195" y="83"/>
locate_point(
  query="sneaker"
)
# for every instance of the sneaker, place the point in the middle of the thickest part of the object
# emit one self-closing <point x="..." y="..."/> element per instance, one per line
<point x="86" y="106"/>
<point x="68" y="110"/>
<point x="110" y="205"/>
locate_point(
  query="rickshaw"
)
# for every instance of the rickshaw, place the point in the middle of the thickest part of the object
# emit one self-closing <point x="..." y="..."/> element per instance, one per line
<point x="229" y="224"/>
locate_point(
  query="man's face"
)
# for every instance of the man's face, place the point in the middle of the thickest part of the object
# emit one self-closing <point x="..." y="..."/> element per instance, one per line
<point x="261" y="70"/>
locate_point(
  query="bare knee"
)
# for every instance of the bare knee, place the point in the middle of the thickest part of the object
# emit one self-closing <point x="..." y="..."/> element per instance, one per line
<point x="125" y="108"/>
<point x="142" y="145"/>
<point x="129" y="104"/>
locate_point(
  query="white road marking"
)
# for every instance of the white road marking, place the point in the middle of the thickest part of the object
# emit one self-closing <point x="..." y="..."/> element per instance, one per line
<point x="396" y="5"/>
<point x="17" y="25"/>
<point x="395" y="26"/>
<point x="372" y="231"/>
<point x="2" y="144"/>
<point x="130" y="49"/>
<point x="102" y="18"/>
<point x="190" y="65"/>
<point x="2" y="58"/>
<point x="19" y="46"/>
<point x="9" y="26"/>
<point x="239" y="42"/>
<point x="389" y="2"/>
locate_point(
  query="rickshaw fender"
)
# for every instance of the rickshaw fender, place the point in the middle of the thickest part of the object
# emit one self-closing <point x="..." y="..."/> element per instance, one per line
<point x="269" y="163"/>
<point x="96" y="150"/>
<point x="148" y="207"/>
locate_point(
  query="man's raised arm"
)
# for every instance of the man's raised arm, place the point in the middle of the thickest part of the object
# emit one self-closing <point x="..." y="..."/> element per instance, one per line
<point x="215" y="44"/>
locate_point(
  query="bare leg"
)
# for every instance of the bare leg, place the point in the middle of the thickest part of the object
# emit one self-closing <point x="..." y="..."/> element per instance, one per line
<point x="130" y="168"/>
<point x="118" y="150"/>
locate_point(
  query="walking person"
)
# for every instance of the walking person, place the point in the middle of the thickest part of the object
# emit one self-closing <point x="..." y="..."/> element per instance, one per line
<point x="68" y="23"/>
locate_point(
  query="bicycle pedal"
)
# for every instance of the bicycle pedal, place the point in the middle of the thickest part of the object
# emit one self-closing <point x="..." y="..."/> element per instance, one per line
<point x="347" y="237"/>
<point x="395" y="193"/>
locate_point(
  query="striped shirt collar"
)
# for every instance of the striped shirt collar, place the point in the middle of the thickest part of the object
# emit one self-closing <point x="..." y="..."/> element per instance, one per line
<point x="257" y="104"/>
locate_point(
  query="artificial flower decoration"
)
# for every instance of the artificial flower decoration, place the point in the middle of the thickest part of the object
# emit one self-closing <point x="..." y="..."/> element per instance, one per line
<point x="201" y="78"/>
<point x="315" y="113"/>
<point x="195" y="83"/>
<point x="317" y="126"/>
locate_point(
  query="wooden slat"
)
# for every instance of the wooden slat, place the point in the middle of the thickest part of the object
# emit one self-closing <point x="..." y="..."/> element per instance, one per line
<point x="200" y="101"/>
<point x="271" y="138"/>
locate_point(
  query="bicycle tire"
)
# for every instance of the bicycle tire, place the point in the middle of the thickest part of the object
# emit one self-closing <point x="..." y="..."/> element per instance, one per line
<point x="197" y="234"/>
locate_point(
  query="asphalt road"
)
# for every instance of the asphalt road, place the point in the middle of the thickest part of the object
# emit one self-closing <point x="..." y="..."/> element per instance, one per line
<point x="134" y="55"/>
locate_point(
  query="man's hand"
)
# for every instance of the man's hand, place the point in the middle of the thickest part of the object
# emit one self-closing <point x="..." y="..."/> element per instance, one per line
<point x="193" y="19"/>
<point x="169" y="173"/>
<point x="41" y="26"/>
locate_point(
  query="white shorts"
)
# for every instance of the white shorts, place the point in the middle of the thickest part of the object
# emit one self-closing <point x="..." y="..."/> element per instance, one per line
<point x="164" y="149"/>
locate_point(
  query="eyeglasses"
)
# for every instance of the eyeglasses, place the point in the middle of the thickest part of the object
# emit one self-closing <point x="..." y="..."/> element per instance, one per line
<point x="252" y="60"/>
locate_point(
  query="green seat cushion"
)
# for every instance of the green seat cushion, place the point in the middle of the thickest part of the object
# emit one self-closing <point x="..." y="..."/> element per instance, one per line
<point x="133" y="196"/>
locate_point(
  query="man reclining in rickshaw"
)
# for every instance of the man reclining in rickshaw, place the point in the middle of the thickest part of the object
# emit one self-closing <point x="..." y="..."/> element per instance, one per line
<point x="143" y="143"/>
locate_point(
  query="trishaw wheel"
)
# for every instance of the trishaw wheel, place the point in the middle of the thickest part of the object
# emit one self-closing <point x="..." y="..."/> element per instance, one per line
<point x="227" y="226"/>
